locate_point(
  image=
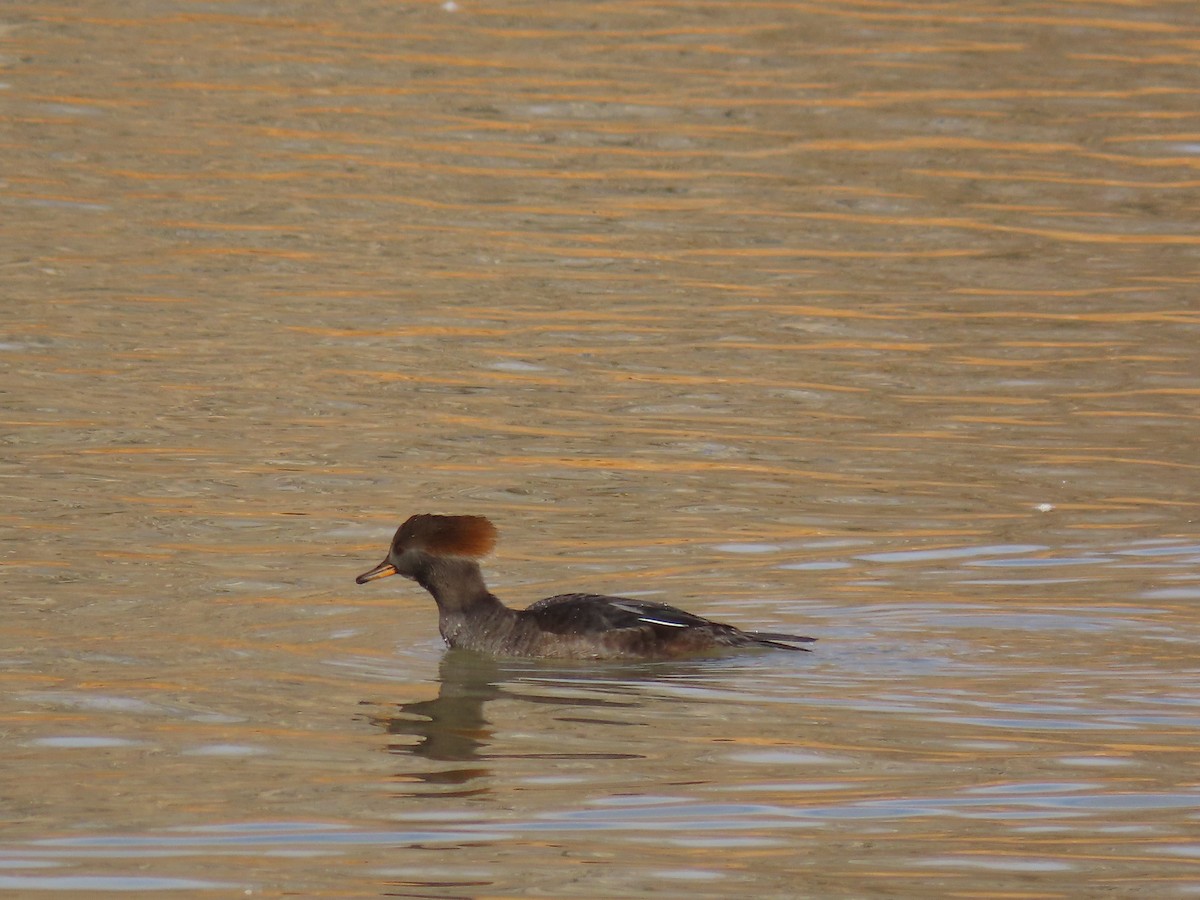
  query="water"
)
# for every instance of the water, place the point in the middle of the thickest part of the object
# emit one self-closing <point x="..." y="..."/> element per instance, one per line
<point x="876" y="324"/>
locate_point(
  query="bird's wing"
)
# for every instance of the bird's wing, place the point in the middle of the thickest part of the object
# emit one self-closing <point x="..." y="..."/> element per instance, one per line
<point x="580" y="613"/>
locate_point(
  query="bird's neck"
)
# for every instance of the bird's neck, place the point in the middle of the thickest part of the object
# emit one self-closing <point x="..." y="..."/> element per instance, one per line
<point x="463" y="599"/>
<point x="456" y="583"/>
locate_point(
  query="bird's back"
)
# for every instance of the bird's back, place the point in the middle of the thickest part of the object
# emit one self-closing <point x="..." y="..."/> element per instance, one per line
<point x="596" y="625"/>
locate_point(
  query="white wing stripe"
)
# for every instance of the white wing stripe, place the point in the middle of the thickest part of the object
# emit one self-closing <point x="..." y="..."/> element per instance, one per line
<point x="661" y="622"/>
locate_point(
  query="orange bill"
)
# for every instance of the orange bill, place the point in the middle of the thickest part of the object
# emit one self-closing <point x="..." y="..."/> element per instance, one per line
<point x="383" y="570"/>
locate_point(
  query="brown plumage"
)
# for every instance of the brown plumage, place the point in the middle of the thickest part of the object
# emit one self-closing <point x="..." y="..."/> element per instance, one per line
<point x="440" y="553"/>
<point x="470" y="536"/>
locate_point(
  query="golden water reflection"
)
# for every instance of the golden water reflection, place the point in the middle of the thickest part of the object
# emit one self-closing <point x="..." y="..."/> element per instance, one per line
<point x="873" y="321"/>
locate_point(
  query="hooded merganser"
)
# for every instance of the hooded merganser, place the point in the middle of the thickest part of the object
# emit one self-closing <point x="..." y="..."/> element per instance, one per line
<point x="440" y="553"/>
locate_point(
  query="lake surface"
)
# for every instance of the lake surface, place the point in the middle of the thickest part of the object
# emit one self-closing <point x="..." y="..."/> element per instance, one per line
<point x="875" y="322"/>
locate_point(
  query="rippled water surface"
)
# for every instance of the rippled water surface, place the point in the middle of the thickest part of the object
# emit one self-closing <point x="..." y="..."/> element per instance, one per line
<point x="876" y="322"/>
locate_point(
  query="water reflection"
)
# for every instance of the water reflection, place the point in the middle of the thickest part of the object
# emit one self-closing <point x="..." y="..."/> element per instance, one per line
<point x="453" y="727"/>
<point x="914" y="348"/>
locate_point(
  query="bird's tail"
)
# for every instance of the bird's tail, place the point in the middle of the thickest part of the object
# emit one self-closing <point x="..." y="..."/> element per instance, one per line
<point x="783" y="641"/>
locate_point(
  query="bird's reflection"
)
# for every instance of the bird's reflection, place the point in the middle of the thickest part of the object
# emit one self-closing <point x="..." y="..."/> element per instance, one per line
<point x="453" y="727"/>
<point x="449" y="728"/>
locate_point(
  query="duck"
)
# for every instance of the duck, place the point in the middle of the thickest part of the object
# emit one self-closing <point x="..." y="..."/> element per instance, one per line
<point x="441" y="553"/>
